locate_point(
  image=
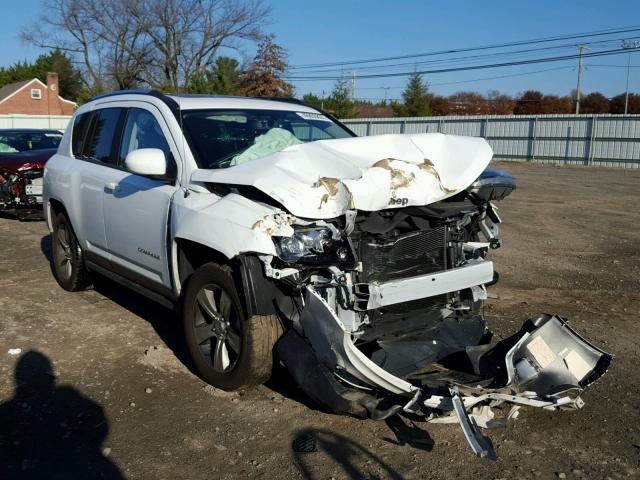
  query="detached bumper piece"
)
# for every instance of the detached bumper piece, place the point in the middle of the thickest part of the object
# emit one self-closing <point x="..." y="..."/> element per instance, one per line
<point x="480" y="444"/>
<point x="546" y="364"/>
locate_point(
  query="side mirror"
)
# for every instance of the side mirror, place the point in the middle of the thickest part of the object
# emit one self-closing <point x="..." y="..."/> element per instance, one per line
<point x="146" y="161"/>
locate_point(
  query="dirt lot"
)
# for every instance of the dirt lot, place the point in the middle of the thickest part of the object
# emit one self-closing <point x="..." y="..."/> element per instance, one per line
<point x="122" y="401"/>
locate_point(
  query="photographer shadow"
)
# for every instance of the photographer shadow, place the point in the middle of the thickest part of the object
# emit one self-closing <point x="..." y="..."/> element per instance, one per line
<point x="51" y="431"/>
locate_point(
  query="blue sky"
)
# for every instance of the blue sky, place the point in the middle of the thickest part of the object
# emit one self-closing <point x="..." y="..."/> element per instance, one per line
<point x="327" y="31"/>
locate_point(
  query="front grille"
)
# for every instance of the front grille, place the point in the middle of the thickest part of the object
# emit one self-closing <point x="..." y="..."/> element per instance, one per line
<point x="416" y="253"/>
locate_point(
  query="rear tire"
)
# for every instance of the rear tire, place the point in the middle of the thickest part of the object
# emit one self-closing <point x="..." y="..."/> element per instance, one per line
<point x="229" y="350"/>
<point x="68" y="262"/>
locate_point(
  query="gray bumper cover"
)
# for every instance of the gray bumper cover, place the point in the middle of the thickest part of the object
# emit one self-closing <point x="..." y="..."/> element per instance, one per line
<point x="547" y="367"/>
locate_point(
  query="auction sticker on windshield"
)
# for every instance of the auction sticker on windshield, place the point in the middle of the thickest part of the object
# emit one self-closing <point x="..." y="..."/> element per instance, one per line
<point x="312" y="116"/>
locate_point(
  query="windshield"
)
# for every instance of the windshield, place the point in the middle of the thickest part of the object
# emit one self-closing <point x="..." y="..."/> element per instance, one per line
<point x="224" y="138"/>
<point x="16" y="141"/>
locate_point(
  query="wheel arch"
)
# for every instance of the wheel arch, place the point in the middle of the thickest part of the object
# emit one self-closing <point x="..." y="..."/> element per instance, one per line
<point x="189" y="255"/>
<point x="53" y="208"/>
<point x="257" y="292"/>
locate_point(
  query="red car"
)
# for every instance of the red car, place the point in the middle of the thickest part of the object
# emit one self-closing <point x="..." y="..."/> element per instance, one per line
<point x="23" y="153"/>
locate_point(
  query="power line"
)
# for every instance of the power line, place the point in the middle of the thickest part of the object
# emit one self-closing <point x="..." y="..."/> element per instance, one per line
<point x="594" y="33"/>
<point x="500" y="76"/>
<point x="513" y="53"/>
<point x="473" y="80"/>
<point x="471" y="67"/>
<point x="608" y="65"/>
<point x="464" y="81"/>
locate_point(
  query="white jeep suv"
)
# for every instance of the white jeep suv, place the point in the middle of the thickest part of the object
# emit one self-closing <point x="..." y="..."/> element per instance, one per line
<point x="360" y="263"/>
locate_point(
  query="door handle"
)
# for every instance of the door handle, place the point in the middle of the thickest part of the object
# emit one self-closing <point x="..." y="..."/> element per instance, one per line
<point x="112" y="187"/>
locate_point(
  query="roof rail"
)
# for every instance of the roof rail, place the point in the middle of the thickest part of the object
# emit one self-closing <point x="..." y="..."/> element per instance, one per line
<point x="136" y="91"/>
<point x="170" y="102"/>
<point x="285" y="100"/>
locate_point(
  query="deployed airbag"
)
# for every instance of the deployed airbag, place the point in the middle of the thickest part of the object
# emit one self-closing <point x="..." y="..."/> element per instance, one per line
<point x="275" y="140"/>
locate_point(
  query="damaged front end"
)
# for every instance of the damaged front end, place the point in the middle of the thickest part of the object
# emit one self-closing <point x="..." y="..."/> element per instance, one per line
<point x="385" y="316"/>
<point x="21" y="191"/>
<point x="23" y="155"/>
<point x="374" y="253"/>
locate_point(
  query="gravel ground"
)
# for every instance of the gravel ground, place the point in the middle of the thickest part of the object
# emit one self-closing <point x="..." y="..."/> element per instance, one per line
<point x="103" y="388"/>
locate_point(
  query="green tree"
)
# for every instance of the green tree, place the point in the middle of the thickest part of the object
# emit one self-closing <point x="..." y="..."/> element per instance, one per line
<point x="17" y="72"/>
<point x="226" y="76"/>
<point x="339" y="103"/>
<point x="312" y="99"/>
<point x="263" y="78"/>
<point x="416" y="99"/>
<point x="222" y="80"/>
<point x="68" y="76"/>
<point x="54" y="61"/>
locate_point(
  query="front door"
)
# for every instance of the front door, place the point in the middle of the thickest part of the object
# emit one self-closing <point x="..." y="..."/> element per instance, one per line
<point x="136" y="207"/>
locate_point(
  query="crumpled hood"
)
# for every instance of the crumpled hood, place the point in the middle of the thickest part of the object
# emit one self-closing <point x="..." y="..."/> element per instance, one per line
<point x="324" y="179"/>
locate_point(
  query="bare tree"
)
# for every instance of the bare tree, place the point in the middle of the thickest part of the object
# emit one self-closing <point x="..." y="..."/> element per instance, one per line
<point x="595" y="102"/>
<point x="468" y="103"/>
<point x="500" y="103"/>
<point x="66" y="28"/>
<point x="160" y="43"/>
<point x="127" y="50"/>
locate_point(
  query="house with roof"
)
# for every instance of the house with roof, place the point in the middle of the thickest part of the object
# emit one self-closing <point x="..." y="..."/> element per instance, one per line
<point x="32" y="97"/>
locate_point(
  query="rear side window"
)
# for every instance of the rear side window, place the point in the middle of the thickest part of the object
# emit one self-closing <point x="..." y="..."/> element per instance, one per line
<point x="80" y="126"/>
<point x="100" y="142"/>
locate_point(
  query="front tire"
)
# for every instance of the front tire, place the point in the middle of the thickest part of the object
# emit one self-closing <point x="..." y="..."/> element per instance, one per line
<point x="229" y="350"/>
<point x="68" y="263"/>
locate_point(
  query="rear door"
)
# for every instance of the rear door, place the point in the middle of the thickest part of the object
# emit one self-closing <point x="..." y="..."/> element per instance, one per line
<point x="136" y="207"/>
<point x="94" y="135"/>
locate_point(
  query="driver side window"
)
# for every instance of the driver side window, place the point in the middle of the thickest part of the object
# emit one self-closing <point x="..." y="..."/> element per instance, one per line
<point x="142" y="130"/>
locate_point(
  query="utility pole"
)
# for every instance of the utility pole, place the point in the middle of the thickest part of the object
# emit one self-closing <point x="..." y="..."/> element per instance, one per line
<point x="626" y="90"/>
<point x="628" y="45"/>
<point x="353" y="86"/>
<point x="582" y="48"/>
<point x="386" y="90"/>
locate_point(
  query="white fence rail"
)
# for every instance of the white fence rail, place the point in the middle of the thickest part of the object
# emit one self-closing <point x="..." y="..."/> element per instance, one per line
<point x="57" y="122"/>
<point x="598" y="140"/>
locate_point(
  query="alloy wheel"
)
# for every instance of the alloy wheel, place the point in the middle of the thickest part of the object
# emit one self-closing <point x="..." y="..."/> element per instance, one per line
<point x="216" y="326"/>
<point x="63" y="250"/>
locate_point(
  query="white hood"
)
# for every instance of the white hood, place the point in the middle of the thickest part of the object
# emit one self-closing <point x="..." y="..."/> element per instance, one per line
<point x="324" y="179"/>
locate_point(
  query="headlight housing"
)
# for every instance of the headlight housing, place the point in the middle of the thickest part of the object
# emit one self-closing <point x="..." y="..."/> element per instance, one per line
<point x="314" y="246"/>
<point x="493" y="184"/>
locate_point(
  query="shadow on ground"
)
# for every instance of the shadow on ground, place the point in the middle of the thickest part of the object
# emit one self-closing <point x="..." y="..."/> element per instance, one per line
<point x="408" y="433"/>
<point x="51" y="431"/>
<point x="23" y="215"/>
<point x="165" y="322"/>
<point x="334" y="451"/>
